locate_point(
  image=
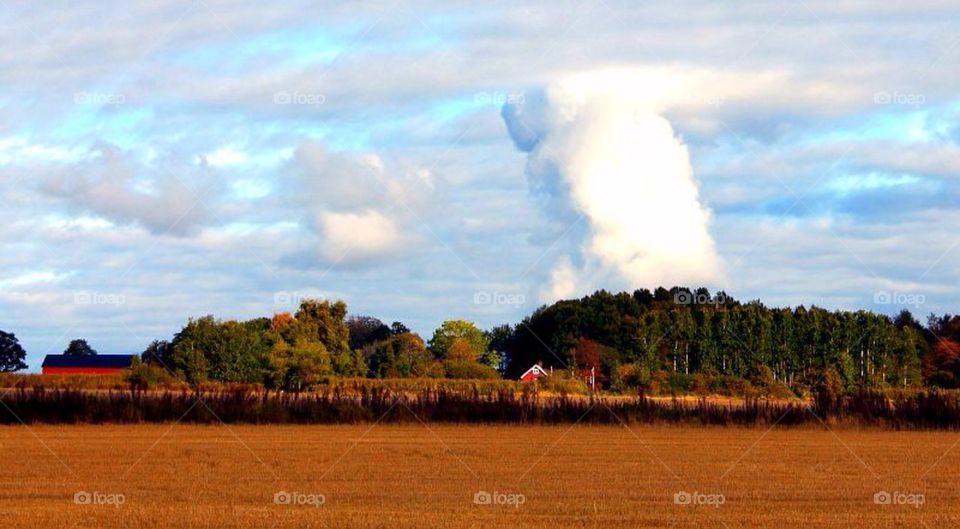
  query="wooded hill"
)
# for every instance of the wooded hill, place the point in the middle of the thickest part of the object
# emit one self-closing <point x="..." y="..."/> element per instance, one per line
<point x="667" y="336"/>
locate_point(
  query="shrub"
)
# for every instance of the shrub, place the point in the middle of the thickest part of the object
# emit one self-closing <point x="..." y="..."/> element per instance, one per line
<point x="700" y="385"/>
<point x="828" y="393"/>
<point x="559" y="383"/>
<point x="469" y="369"/>
<point x="779" y="390"/>
<point x="140" y="375"/>
<point x="731" y="386"/>
<point x="648" y="382"/>
<point x="679" y="383"/>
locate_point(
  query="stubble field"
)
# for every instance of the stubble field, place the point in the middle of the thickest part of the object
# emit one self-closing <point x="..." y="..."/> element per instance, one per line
<point x="474" y="476"/>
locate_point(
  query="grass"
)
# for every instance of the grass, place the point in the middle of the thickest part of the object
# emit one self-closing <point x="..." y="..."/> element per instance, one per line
<point x="917" y="410"/>
<point x="414" y="476"/>
<point x="344" y="384"/>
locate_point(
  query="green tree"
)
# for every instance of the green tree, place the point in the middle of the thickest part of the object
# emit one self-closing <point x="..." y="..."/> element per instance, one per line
<point x="79" y="347"/>
<point x="492" y="359"/>
<point x="12" y="355"/>
<point x="190" y="346"/>
<point x="497" y="355"/>
<point x="682" y="331"/>
<point x="228" y="351"/>
<point x="402" y="355"/>
<point x="299" y="366"/>
<point x="239" y="353"/>
<point x="326" y="321"/>
<point x="452" y="330"/>
<point x="343" y="364"/>
<point x="359" y="366"/>
<point x="158" y="352"/>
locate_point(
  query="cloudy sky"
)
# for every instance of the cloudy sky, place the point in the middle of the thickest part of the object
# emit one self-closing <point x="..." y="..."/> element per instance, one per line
<point x="429" y="160"/>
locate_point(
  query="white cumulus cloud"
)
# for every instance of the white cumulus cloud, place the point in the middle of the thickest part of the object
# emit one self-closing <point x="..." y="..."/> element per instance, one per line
<point x="364" y="233"/>
<point x="604" y="150"/>
<point x="360" y="205"/>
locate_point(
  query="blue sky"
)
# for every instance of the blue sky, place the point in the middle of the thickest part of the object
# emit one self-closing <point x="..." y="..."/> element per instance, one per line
<point x="166" y="160"/>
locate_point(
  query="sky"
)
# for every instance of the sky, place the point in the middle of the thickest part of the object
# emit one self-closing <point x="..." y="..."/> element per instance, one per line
<point x="433" y="160"/>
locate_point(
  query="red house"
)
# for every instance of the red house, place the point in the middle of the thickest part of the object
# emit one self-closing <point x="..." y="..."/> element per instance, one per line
<point x="85" y="364"/>
<point x="533" y="373"/>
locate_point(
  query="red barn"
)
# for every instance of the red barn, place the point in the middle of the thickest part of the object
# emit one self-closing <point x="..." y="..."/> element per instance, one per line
<point x="533" y="373"/>
<point x="85" y="364"/>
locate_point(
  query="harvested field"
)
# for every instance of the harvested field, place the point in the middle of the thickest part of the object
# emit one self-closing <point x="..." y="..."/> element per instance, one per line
<point x="412" y="475"/>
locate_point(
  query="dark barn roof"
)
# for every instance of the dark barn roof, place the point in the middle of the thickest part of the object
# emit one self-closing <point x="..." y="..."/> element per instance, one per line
<point x="116" y="361"/>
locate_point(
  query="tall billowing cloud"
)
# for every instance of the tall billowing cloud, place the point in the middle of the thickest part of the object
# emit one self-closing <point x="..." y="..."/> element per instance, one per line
<point x="599" y="149"/>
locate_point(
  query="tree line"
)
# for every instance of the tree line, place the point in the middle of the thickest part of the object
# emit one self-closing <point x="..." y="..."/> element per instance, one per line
<point x="668" y="336"/>
<point x="648" y="340"/>
<point x="297" y="351"/>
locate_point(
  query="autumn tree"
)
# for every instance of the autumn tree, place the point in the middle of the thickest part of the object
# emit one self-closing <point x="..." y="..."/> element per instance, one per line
<point x="587" y="354"/>
<point x="280" y="321"/>
<point x="942" y="367"/>
<point x="461" y="361"/>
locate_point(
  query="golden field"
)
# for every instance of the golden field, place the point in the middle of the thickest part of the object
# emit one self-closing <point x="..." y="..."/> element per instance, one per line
<point x="428" y="476"/>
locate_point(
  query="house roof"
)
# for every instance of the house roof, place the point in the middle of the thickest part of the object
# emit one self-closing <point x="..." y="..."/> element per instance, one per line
<point x="119" y="361"/>
<point x="534" y="369"/>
